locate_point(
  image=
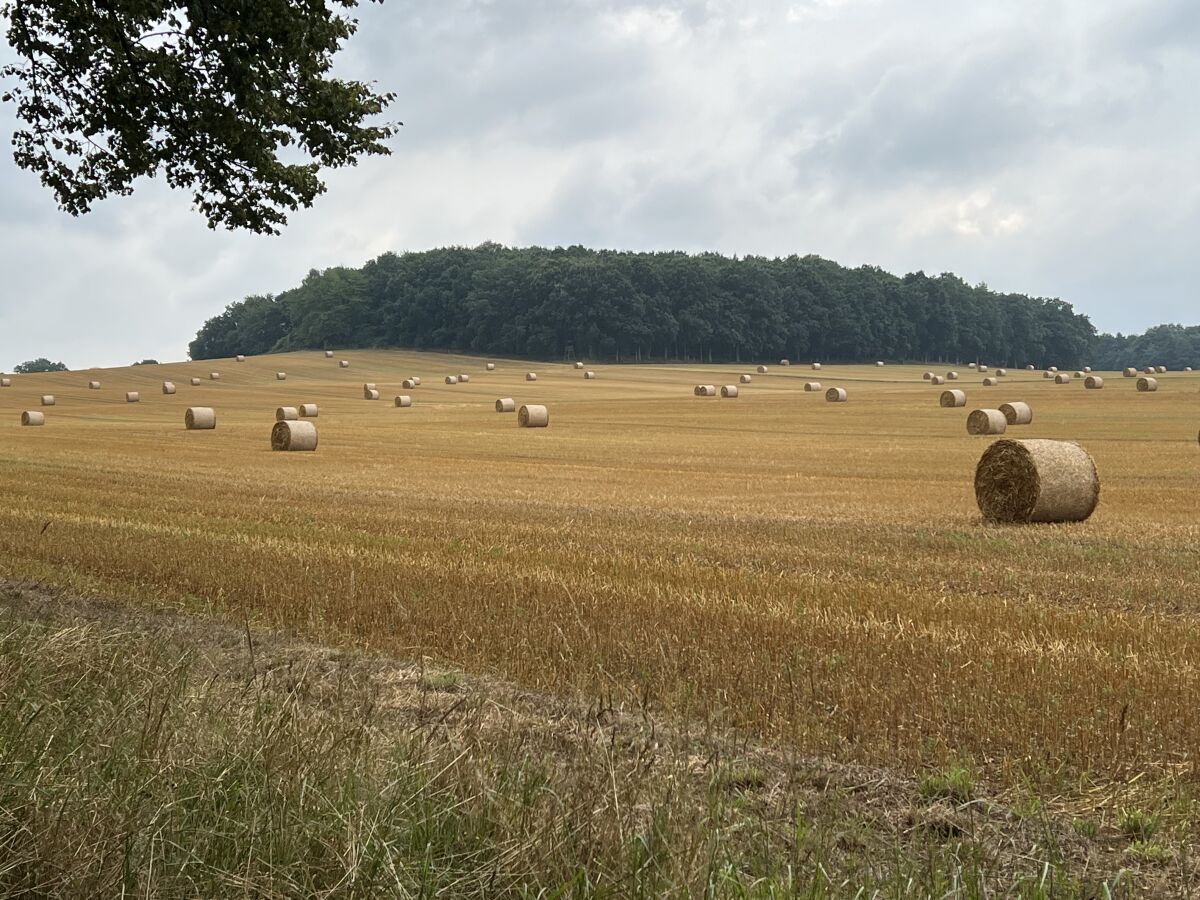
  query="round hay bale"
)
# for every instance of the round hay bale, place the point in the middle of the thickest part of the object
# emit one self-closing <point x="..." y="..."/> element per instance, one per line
<point x="1062" y="378"/>
<point x="1054" y="369"/>
<point x="195" y="382"/>
<point x="1000" y="373"/>
<point x="491" y="367"/>
<point x="589" y="375"/>
<point x="937" y="380"/>
<point x="368" y="386"/>
<point x="1130" y="372"/>
<point x="329" y="354"/>
<point x="835" y="395"/>
<point x="168" y="387"/>
<point x="403" y="401"/>
<point x="986" y="421"/>
<point x="531" y="376"/>
<point x="1087" y="370"/>
<point x="812" y="386"/>
<point x="1030" y="368"/>
<point x="463" y="379"/>
<point x="970" y="365"/>
<point x="301" y="435"/>
<point x="1036" y="481"/>
<point x="990" y="382"/>
<point x="981" y="368"/>
<point x="200" y="418"/>
<point x="1187" y="368"/>
<point x="416" y="379"/>
<point x="879" y="363"/>
<point x="533" y="417"/>
<point x="408" y="384"/>
<point x="506" y="405"/>
<point x="952" y="376"/>
<point x="729" y="390"/>
<point x="48" y="400"/>
<point x="1017" y="413"/>
<point x="1161" y="370"/>
<point x="705" y="390"/>
<point x="928" y="376"/>
<point x="344" y="364"/>
<point x="370" y="395"/>
<point x="1078" y="374"/>
<point x="33" y="417"/>
<point x="281" y="376"/>
<point x="308" y="410"/>
<point x="214" y="376"/>
<point x="1147" y="385"/>
<point x="132" y="396"/>
<point x="5" y="382"/>
<point x="785" y="362"/>
<point x="451" y="379"/>
<point x="1093" y="383"/>
<point x="816" y="367"/>
<point x="241" y="358"/>
<point x="287" y="414"/>
<point x="93" y="385"/>
<point x="578" y="365"/>
<point x="953" y="399"/>
<point x="761" y="370"/>
<point x="1047" y="374"/>
<point x="1150" y="370"/>
<point x="745" y="379"/>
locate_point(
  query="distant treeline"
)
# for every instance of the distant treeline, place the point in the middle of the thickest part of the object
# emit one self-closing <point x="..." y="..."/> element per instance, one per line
<point x="1173" y="346"/>
<point x="554" y="304"/>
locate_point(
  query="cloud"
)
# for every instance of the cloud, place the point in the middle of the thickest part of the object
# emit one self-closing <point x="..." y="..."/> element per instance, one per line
<point x="1045" y="147"/>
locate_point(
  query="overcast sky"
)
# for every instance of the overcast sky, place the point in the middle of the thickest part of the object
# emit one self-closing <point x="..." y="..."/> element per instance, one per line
<point x="1046" y="147"/>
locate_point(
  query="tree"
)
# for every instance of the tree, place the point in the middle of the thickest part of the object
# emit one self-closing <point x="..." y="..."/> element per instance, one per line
<point x="147" y="362"/>
<point x="41" y="364"/>
<point x="233" y="102"/>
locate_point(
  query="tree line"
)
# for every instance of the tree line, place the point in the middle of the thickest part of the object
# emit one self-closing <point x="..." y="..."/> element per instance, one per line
<point x="575" y="302"/>
<point x="1173" y="346"/>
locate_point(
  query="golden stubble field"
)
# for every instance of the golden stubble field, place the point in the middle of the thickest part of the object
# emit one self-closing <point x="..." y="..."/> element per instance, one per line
<point x="812" y="574"/>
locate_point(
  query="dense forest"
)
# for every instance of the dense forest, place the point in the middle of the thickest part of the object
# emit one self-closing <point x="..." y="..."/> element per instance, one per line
<point x="574" y="302"/>
<point x="1173" y="346"/>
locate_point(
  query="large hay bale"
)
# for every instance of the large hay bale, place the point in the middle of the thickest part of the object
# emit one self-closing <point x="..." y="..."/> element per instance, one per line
<point x="33" y="417"/>
<point x="986" y="421"/>
<point x="578" y="365"/>
<point x="745" y="379"/>
<point x="990" y="382"/>
<point x="928" y="376"/>
<point x="408" y="384"/>
<point x="1130" y="372"/>
<point x="729" y="390"/>
<point x="48" y="400"/>
<point x="816" y="367"/>
<point x="1087" y="370"/>
<point x="403" y="401"/>
<point x="952" y="376"/>
<point x="369" y="386"/>
<point x="241" y="358"/>
<point x="287" y="414"/>
<point x="214" y="376"/>
<point x="1054" y="369"/>
<point x="1001" y="372"/>
<point x="1187" y="368"/>
<point x="812" y="386"/>
<point x="1161" y="370"/>
<point x="1017" y="412"/>
<point x="785" y="362"/>
<point x="132" y="397"/>
<point x="451" y="379"/>
<point x="416" y="379"/>
<point x="1062" y="378"/>
<point x="195" y="382"/>
<point x="937" y="380"/>
<point x="761" y="370"/>
<point x="168" y="387"/>
<point x="308" y="411"/>
<point x="981" y="368"/>
<point x="835" y="395"/>
<point x="1150" y="370"/>
<point x="531" y="376"/>
<point x="953" y="399"/>
<point x="344" y="364"/>
<point x="329" y="354"/>
<point x="281" y="376"/>
<point x="506" y="405"/>
<point x="93" y="385"/>
<point x="1147" y="385"/>
<point x="533" y="417"/>
<point x="704" y="390"/>
<point x="301" y="435"/>
<point x="5" y="382"/>
<point x="1036" y="481"/>
<point x="970" y="365"/>
<point x="1030" y="368"/>
<point x="370" y="395"/>
<point x="200" y="418"/>
<point x="491" y="367"/>
<point x="463" y="379"/>
<point x="589" y="375"/>
<point x="879" y="363"/>
<point x="1047" y="374"/>
<point x="1079" y="374"/>
<point x="1093" y="383"/>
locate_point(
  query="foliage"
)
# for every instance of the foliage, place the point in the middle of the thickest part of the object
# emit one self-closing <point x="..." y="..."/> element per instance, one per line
<point x="41" y="364"/>
<point x="147" y="362"/>
<point x="545" y="303"/>
<point x="233" y="102"/>
<point x="1173" y="346"/>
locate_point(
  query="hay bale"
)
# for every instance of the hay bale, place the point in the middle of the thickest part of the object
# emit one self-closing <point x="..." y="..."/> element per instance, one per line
<point x="408" y="384"/>
<point x="1093" y="383"/>
<point x="989" y="382"/>
<point x="1047" y="374"/>
<point x="952" y="376"/>
<point x="879" y="363"/>
<point x="344" y="364"/>
<point x="745" y="379"/>
<point x="937" y="380"/>
<point x="301" y="435"/>
<point x="195" y="382"/>
<point x="953" y="399"/>
<point x="241" y="358"/>
<point x="33" y="417"/>
<point x="329" y="354"/>
<point x="704" y="390"/>
<point x="287" y="414"/>
<point x="132" y="396"/>
<point x="1147" y="385"/>
<point x="928" y="376"/>
<point x="281" y="376"/>
<point x="1161" y="370"/>
<point x="816" y="367"/>
<point x="403" y="401"/>
<point x="506" y="405"/>
<point x="835" y="395"/>
<point x="308" y="410"/>
<point x="761" y="370"/>
<point x="533" y="417"/>
<point x="451" y="379"/>
<point x="463" y="379"/>
<point x="986" y="421"/>
<point x="1130" y="372"/>
<point x="1030" y="368"/>
<point x="48" y="400"/>
<point x="1000" y="373"/>
<point x="1062" y="378"/>
<point x="168" y="387"/>
<point x="214" y="376"/>
<point x="1054" y="369"/>
<point x="370" y="395"/>
<point x="491" y="367"/>
<point x="369" y="386"/>
<point x="1079" y="374"/>
<point x="1150" y="370"/>
<point x="1185" y="368"/>
<point x="93" y="385"/>
<point x="981" y="368"/>
<point x="531" y="376"/>
<point x="578" y="365"/>
<point x="416" y="379"/>
<point x="785" y="362"/>
<point x="812" y="386"/>
<point x="1017" y="413"/>
<point x="1036" y="481"/>
<point x="200" y="418"/>
<point x="729" y="390"/>
<point x="970" y="365"/>
<point x="1087" y="370"/>
<point x="589" y="375"/>
<point x="5" y="382"/>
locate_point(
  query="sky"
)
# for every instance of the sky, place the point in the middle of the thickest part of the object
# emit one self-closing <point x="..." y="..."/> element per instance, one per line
<point x="1048" y="147"/>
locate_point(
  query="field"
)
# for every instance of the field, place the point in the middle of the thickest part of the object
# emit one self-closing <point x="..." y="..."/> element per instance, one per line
<point x="807" y="576"/>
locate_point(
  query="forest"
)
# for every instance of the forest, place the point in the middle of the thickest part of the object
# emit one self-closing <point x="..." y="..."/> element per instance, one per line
<point x="573" y="302"/>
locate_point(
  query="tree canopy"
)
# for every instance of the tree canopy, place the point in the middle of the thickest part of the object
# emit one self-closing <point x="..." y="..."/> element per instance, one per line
<point x="554" y="303"/>
<point x="41" y="364"/>
<point x="233" y="102"/>
<point x="1173" y="346"/>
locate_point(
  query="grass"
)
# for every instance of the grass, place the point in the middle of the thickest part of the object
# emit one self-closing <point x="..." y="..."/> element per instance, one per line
<point x="811" y="576"/>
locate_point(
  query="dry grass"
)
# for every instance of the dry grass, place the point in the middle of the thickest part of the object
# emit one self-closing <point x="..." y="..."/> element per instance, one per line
<point x="872" y="616"/>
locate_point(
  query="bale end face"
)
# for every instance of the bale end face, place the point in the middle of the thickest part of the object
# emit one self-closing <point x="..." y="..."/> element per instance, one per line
<point x="533" y="417"/>
<point x="291" y="436"/>
<point x="986" y="421"/>
<point x="1036" y="481"/>
<point x="199" y="418"/>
